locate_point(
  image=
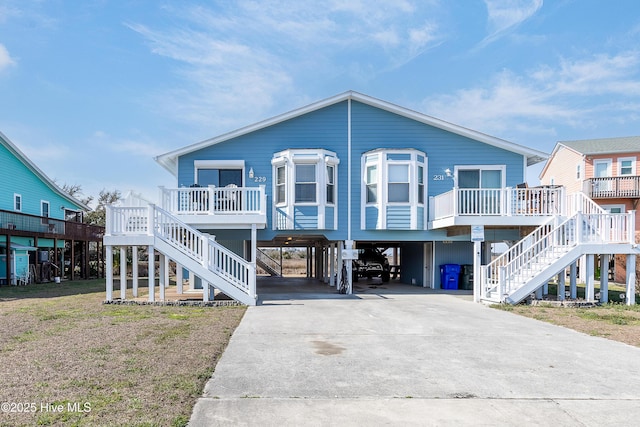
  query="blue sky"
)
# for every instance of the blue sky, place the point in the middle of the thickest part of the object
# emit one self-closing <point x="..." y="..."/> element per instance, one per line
<point x="92" y="90"/>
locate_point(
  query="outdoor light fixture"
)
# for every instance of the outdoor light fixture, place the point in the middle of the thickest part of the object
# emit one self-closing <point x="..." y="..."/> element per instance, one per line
<point x="448" y="173"/>
<point x="250" y="172"/>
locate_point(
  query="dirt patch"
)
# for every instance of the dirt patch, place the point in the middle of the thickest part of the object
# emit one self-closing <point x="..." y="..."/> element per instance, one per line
<point x="70" y="360"/>
<point x="613" y="321"/>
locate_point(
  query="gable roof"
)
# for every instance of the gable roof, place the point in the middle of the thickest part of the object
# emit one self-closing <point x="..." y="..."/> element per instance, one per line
<point x="36" y="170"/>
<point x="626" y="144"/>
<point x="170" y="160"/>
<point x="586" y="147"/>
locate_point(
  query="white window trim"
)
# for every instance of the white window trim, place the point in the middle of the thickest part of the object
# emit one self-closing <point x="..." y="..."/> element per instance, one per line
<point x="609" y="207"/>
<point x="633" y="165"/>
<point x="321" y="158"/>
<point x="218" y="164"/>
<point x="42" y="203"/>
<point x="382" y="163"/>
<point x="608" y="162"/>
<point x="16" y="196"/>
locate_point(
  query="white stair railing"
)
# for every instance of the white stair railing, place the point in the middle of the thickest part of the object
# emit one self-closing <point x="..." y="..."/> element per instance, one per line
<point x="199" y="247"/>
<point x="523" y="261"/>
<point x="202" y="248"/>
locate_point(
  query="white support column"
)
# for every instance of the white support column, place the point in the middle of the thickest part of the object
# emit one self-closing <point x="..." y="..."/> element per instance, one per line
<point x="253" y="292"/>
<point x="151" y="275"/>
<point x="192" y="281"/>
<point x="573" y="287"/>
<point x="325" y="267"/>
<point x="166" y="271"/>
<point x="349" y="246"/>
<point x="162" y="275"/>
<point x="332" y="265"/>
<point x="604" y="278"/>
<point x="589" y="289"/>
<point x="477" y="262"/>
<point x="134" y="270"/>
<point x="631" y="279"/>
<point x="179" y="279"/>
<point x="109" y="273"/>
<point x="205" y="290"/>
<point x="538" y="293"/>
<point x="123" y="272"/>
<point x="561" y="285"/>
<point x="340" y="246"/>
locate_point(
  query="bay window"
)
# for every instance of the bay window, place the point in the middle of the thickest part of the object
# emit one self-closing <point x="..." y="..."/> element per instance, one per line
<point x="393" y="191"/>
<point x="304" y="189"/>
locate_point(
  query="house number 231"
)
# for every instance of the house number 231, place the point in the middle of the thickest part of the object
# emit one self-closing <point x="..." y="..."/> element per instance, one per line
<point x="438" y="177"/>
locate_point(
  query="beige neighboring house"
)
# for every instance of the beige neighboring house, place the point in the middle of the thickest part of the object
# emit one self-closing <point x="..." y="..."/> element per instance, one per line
<point x="607" y="170"/>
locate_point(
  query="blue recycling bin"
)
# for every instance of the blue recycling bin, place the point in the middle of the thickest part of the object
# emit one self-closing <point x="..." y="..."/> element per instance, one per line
<point x="449" y="274"/>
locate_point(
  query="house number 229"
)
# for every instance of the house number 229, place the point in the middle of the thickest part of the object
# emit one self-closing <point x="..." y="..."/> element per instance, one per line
<point x="260" y="179"/>
<point x="438" y="177"/>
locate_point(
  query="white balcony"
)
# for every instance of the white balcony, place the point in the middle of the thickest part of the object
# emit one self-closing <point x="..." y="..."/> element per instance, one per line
<point x="495" y="206"/>
<point x="219" y="207"/>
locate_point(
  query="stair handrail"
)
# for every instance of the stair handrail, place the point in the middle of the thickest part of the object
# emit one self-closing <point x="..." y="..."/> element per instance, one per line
<point x="549" y="240"/>
<point x="580" y="202"/>
<point x="273" y="264"/>
<point x="204" y="249"/>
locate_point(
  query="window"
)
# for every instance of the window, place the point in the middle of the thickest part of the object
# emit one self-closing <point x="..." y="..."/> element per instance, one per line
<point x="281" y="181"/>
<point x="479" y="177"/>
<point x="393" y="190"/>
<point x="331" y="184"/>
<point x="372" y="184"/>
<point x="309" y="178"/>
<point x="398" y="184"/>
<point x="220" y="173"/>
<point x="44" y="209"/>
<point x="626" y="166"/>
<point x="577" y="171"/>
<point x="305" y="183"/>
<point x="420" y="184"/>
<point x="17" y="202"/>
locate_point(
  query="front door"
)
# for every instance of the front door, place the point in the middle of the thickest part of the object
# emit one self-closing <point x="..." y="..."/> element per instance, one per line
<point x="602" y="170"/>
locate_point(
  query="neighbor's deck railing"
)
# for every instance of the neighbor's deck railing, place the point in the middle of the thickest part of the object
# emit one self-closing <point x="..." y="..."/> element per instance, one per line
<point x="498" y="202"/>
<point x="214" y="200"/>
<point x="612" y="187"/>
<point x="20" y="222"/>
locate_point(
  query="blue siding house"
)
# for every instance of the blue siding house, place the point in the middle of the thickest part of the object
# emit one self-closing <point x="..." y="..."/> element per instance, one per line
<point x="342" y="174"/>
<point x="39" y="223"/>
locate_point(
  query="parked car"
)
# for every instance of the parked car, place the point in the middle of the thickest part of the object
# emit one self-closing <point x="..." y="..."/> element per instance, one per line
<point x="371" y="262"/>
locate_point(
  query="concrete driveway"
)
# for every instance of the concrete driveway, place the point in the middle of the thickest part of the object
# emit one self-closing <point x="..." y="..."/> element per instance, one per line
<point x="395" y="356"/>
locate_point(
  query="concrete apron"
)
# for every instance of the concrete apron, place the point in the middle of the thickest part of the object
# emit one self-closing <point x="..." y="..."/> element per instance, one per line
<point x="425" y="359"/>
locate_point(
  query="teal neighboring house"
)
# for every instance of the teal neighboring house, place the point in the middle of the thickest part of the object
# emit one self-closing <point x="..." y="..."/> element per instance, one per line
<point x="42" y="237"/>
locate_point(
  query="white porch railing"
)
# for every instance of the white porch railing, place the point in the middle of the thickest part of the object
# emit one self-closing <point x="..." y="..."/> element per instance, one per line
<point x="214" y="200"/>
<point x="186" y="240"/>
<point x="612" y="187"/>
<point x="497" y="202"/>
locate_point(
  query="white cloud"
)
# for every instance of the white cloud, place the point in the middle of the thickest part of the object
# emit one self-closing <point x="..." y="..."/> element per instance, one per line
<point x="5" y="59"/>
<point x="248" y="54"/>
<point x="574" y="93"/>
<point x="504" y="15"/>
